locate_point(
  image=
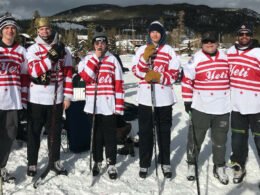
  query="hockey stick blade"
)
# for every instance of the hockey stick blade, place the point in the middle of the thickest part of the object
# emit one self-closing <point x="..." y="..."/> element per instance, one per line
<point x="41" y="177"/>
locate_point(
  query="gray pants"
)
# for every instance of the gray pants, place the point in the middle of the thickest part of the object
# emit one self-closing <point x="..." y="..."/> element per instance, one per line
<point x="219" y="125"/>
<point x="8" y="131"/>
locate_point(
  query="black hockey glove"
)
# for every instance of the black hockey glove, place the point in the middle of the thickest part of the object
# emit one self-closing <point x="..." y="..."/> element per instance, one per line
<point x="57" y="52"/>
<point x="187" y="107"/>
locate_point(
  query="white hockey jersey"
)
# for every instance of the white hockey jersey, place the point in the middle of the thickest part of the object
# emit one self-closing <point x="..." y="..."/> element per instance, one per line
<point x="206" y="83"/>
<point x="164" y="61"/>
<point x="245" y="80"/>
<point x="110" y="86"/>
<point x="39" y="63"/>
<point x="13" y="78"/>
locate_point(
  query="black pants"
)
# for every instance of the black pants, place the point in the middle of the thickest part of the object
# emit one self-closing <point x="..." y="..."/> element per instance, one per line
<point x="8" y="131"/>
<point x="104" y="135"/>
<point x="219" y="125"/>
<point x="39" y="116"/>
<point x="240" y="125"/>
<point x="163" y="118"/>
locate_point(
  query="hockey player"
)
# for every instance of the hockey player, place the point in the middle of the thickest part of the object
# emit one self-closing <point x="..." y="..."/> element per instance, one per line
<point x="13" y="88"/>
<point x="101" y="68"/>
<point x="244" y="60"/>
<point x="47" y="56"/>
<point x="155" y="63"/>
<point x="206" y="95"/>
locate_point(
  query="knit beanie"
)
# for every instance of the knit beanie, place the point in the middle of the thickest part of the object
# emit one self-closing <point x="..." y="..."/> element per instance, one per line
<point x="99" y="34"/>
<point x="6" y="20"/>
<point x="157" y="26"/>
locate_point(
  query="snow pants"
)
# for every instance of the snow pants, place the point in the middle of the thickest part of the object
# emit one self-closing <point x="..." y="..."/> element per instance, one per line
<point x="163" y="121"/>
<point x="39" y="116"/>
<point x="104" y="135"/>
<point x="8" y="131"/>
<point x="240" y="125"/>
<point x="219" y="125"/>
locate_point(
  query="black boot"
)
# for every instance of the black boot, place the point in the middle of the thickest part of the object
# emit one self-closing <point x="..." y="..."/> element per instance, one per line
<point x="31" y="170"/>
<point x="112" y="172"/>
<point x="239" y="173"/>
<point x="6" y="177"/>
<point x="96" y="168"/>
<point x="166" y="169"/>
<point x="143" y="172"/>
<point x="219" y="172"/>
<point x="58" y="168"/>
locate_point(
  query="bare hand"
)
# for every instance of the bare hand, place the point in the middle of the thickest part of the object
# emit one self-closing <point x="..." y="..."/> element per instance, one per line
<point x="66" y="104"/>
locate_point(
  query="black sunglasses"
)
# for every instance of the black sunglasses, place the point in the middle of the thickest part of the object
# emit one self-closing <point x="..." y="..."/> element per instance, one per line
<point x="103" y="42"/>
<point x="248" y="34"/>
<point x="208" y="40"/>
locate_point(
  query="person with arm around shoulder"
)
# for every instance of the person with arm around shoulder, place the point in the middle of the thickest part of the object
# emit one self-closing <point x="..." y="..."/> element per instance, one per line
<point x="244" y="61"/>
<point x="206" y="95"/>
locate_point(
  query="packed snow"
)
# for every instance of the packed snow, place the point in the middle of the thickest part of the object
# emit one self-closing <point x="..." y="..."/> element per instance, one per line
<point x="128" y="182"/>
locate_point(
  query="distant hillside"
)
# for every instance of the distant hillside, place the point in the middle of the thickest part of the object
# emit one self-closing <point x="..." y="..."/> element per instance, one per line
<point x="198" y="18"/>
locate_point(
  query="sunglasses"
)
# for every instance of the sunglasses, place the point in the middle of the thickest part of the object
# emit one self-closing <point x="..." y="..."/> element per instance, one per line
<point x="208" y="40"/>
<point x="98" y="42"/>
<point x="248" y="34"/>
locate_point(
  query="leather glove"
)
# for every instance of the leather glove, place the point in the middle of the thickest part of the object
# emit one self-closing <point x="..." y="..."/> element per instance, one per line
<point x="57" y="52"/>
<point x="149" y="50"/>
<point x="188" y="107"/>
<point x="152" y="76"/>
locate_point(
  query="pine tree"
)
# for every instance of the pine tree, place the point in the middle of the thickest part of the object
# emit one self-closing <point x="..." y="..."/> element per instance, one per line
<point x="32" y="31"/>
<point x="178" y="32"/>
<point x="111" y="35"/>
<point x="91" y="27"/>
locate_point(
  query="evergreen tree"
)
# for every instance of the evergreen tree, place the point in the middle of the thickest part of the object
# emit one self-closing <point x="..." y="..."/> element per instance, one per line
<point x="91" y="27"/>
<point x="111" y="35"/>
<point x="32" y="31"/>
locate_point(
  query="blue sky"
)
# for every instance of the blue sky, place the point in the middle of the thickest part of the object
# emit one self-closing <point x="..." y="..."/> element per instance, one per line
<point x="25" y="8"/>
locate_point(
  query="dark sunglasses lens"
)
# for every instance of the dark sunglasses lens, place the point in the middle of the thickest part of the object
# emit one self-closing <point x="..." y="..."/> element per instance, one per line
<point x="208" y="40"/>
<point x="246" y="34"/>
<point x="97" y="42"/>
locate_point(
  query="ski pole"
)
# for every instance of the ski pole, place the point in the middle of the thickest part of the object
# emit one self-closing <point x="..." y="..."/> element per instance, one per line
<point x="196" y="153"/>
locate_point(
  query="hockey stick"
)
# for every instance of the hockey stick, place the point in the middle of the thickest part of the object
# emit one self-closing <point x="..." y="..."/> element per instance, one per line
<point x="196" y="153"/>
<point x="49" y="166"/>
<point x="1" y="182"/>
<point x="154" y="127"/>
<point x="93" y="125"/>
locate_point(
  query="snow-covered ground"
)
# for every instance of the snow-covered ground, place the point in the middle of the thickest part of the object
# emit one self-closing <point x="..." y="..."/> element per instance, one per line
<point x="79" y="178"/>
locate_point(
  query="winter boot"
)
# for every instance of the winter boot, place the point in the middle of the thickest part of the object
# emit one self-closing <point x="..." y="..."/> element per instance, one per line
<point x="31" y="170"/>
<point x="58" y="168"/>
<point x="143" y="172"/>
<point x="239" y="172"/>
<point x="166" y="169"/>
<point x="112" y="172"/>
<point x="6" y="177"/>
<point x="191" y="172"/>
<point x="220" y="174"/>
<point x="96" y="168"/>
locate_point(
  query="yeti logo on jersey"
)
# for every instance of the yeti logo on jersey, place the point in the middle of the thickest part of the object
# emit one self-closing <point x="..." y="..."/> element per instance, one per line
<point x="9" y="68"/>
<point x="191" y="60"/>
